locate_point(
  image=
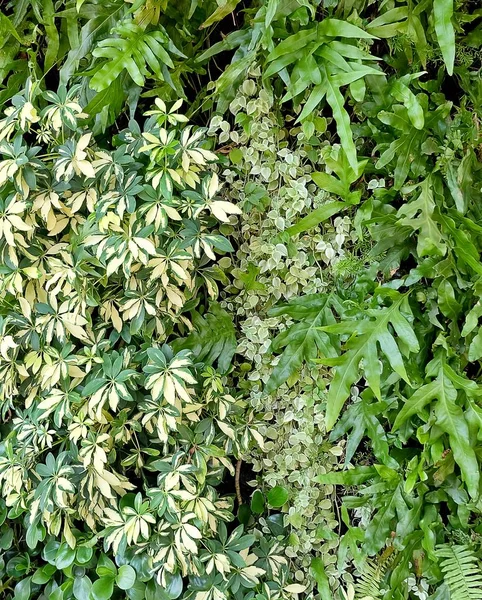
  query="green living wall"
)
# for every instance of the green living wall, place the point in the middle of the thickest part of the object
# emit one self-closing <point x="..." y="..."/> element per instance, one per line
<point x="240" y="292"/>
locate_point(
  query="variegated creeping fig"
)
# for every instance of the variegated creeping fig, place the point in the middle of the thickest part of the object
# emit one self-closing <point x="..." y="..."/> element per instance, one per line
<point x="240" y="300"/>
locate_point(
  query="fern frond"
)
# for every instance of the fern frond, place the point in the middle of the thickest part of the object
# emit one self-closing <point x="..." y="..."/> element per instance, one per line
<point x="141" y="53"/>
<point x="462" y="572"/>
<point x="368" y="585"/>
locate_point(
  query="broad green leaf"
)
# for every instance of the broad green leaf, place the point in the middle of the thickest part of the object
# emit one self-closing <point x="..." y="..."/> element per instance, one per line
<point x="83" y="554"/>
<point x="415" y="111"/>
<point x="316" y="96"/>
<point x="475" y="348"/>
<point x="338" y="28"/>
<point x="465" y="251"/>
<point x="417" y="402"/>
<point x="257" y="502"/>
<point x="103" y="588"/>
<point x="447" y="301"/>
<point x="105" y="567"/>
<point x="174" y="585"/>
<point x="234" y="72"/>
<point x="22" y="589"/>
<point x="82" y="587"/>
<point x="337" y="103"/>
<point x="278" y="496"/>
<point x="361" y="420"/>
<point x="7" y="29"/>
<point x="126" y="577"/>
<point x="291" y="44"/>
<point x="317" y="216"/>
<point x="349" y="477"/>
<point x="65" y="556"/>
<point x="52" y="35"/>
<point x="134" y="50"/>
<point x="419" y="215"/>
<point x="43" y="574"/>
<point x="455" y="189"/>
<point x="318" y="570"/>
<point x="390" y="23"/>
<point x="109" y="95"/>
<point x="444" y="29"/>
<point x="329" y="183"/>
<point x="378" y="531"/>
<point x="221" y="11"/>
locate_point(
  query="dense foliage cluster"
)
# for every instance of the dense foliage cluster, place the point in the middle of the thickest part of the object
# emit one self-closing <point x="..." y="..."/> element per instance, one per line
<point x="240" y="300"/>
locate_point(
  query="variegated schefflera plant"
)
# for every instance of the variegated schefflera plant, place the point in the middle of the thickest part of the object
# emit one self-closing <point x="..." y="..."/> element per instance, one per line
<point x="109" y="435"/>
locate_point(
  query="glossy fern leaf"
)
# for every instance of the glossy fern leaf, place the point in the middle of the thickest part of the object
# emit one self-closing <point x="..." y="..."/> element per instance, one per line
<point x="142" y="53"/>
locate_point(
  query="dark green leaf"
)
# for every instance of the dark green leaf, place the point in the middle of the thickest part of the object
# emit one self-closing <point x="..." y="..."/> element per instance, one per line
<point x="278" y="496"/>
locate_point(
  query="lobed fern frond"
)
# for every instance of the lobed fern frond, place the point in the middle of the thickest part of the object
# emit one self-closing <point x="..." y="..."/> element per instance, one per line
<point x="141" y="53"/>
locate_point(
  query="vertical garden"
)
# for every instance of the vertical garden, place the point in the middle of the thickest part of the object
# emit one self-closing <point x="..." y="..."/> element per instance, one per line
<point x="240" y="300"/>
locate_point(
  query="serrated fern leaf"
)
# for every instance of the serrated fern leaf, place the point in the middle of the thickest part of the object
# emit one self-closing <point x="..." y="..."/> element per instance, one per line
<point x="441" y="393"/>
<point x="385" y="332"/>
<point x="302" y="341"/>
<point x="141" y="53"/>
<point x="462" y="572"/>
<point x="418" y="214"/>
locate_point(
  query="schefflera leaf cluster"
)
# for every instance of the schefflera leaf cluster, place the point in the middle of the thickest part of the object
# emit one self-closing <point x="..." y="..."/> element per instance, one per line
<point x="113" y="440"/>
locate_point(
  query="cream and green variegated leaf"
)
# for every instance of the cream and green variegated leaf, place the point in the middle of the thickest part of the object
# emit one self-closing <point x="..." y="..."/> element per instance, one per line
<point x="58" y="402"/>
<point x="113" y="168"/>
<point x="159" y="417"/>
<point x="63" y="110"/>
<point x="99" y="268"/>
<point x="59" y="320"/>
<point x="19" y="165"/>
<point x="171" y="262"/>
<point x="196" y="236"/>
<point x="120" y="199"/>
<point x="131" y="524"/>
<point x="175" y="161"/>
<point x="56" y="482"/>
<point x="119" y="244"/>
<point x="169" y="376"/>
<point x="108" y="386"/>
<point x="169" y="115"/>
<point x="12" y="225"/>
<point x="175" y="471"/>
<point x="140" y="306"/>
<point x="158" y="209"/>
<point x="74" y="160"/>
<point x="221" y="209"/>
